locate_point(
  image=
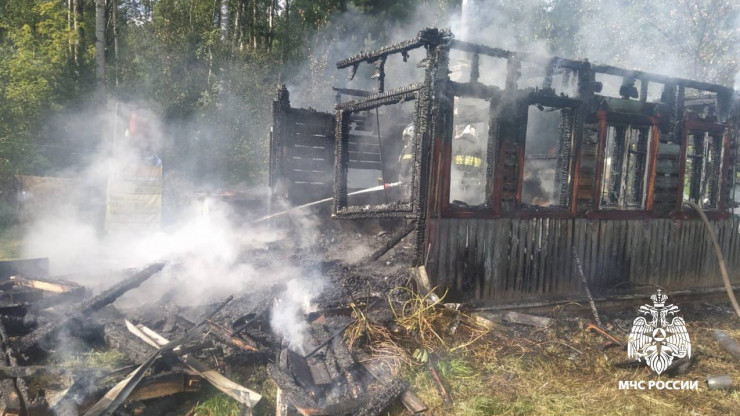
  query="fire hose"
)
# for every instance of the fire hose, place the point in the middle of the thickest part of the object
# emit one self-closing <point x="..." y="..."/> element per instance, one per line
<point x="321" y="201"/>
<point x="720" y="257"/>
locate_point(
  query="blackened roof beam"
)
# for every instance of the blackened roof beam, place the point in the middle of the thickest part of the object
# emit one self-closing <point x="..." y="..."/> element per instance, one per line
<point x="578" y="64"/>
<point x="428" y="36"/>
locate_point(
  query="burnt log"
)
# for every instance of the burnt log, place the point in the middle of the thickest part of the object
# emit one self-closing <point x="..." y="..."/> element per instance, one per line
<point x="383" y="373"/>
<point x="225" y="335"/>
<point x="47" y="370"/>
<point x="117" y="337"/>
<point x="91" y="305"/>
<point x="11" y="399"/>
<point x="380" y="401"/>
<point x="235" y="391"/>
<point x="17" y="324"/>
<point x="346" y="365"/>
<point x="121" y="391"/>
<point x="292" y="392"/>
<point x="47" y="285"/>
<point x="165" y="384"/>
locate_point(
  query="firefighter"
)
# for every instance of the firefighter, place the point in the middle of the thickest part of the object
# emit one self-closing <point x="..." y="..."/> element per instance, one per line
<point x="406" y="158"/>
<point x="467" y="159"/>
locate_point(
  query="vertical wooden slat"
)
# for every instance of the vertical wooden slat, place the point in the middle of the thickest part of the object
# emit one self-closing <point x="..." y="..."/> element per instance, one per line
<point x="496" y="249"/>
<point x="483" y="241"/>
<point x="594" y="235"/>
<point x="653" y="252"/>
<point x="552" y="256"/>
<point x="580" y="241"/>
<point x="442" y="270"/>
<point x="520" y="257"/>
<point x="566" y="273"/>
<point x="529" y="257"/>
<point x="544" y="246"/>
<point x="460" y="257"/>
<point x="605" y="242"/>
<point x="451" y="252"/>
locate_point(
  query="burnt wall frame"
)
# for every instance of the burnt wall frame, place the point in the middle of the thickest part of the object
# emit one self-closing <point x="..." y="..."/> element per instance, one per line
<point x="340" y="208"/>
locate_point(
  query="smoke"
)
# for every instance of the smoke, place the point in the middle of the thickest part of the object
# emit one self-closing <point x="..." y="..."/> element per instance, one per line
<point x="209" y="249"/>
<point x="288" y="314"/>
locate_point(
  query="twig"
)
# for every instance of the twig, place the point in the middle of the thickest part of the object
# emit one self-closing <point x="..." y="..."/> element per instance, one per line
<point x="593" y="327"/>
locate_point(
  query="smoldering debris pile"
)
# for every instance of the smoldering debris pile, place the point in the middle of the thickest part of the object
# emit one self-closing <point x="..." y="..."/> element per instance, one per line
<point x="169" y="357"/>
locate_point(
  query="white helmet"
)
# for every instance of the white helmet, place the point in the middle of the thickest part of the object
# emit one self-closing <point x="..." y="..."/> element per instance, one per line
<point x="470" y="131"/>
<point x="409" y="130"/>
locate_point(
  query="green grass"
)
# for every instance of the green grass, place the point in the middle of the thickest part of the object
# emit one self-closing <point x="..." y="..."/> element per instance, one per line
<point x="217" y="405"/>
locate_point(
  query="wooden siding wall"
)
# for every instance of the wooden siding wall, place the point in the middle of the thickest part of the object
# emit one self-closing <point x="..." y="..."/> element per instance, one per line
<point x="309" y="164"/>
<point x="364" y="149"/>
<point x="506" y="260"/>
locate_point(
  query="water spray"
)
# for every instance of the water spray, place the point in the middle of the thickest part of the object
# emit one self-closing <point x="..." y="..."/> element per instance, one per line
<point x="321" y="201"/>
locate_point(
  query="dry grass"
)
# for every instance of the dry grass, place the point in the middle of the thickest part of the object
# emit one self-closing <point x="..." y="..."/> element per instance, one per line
<point x="517" y="370"/>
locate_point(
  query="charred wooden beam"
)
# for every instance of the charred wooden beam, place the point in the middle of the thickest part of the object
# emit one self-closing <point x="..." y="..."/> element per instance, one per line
<point x="395" y="239"/>
<point x="380" y="401"/>
<point x="118" y="338"/>
<point x="526" y="319"/>
<point x="578" y="64"/>
<point x="353" y="92"/>
<point x="410" y="400"/>
<point x="224" y="334"/>
<point x="19" y="295"/>
<point x="47" y="370"/>
<point x="235" y="391"/>
<point x="346" y="365"/>
<point x="476" y="89"/>
<point x="17" y="324"/>
<point x="121" y="391"/>
<point x="13" y="400"/>
<point x="429" y="36"/>
<point x="373" y="101"/>
<point x="90" y="305"/>
<point x="165" y="384"/>
<point x="56" y="286"/>
<point x="294" y="394"/>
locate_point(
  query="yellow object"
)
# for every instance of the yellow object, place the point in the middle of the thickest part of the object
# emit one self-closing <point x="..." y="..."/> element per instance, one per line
<point x="468" y="160"/>
<point x="134" y="198"/>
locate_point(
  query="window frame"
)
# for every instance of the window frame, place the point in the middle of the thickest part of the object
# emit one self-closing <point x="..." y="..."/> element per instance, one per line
<point x="723" y="132"/>
<point x="340" y="207"/>
<point x="605" y="119"/>
<point x="561" y="104"/>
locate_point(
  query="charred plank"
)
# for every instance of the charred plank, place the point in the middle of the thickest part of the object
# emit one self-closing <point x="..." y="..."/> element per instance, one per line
<point x="31" y="340"/>
<point x="380" y="401"/>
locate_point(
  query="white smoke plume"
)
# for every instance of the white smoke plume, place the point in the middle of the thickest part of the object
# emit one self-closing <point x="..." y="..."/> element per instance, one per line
<point x="210" y="251"/>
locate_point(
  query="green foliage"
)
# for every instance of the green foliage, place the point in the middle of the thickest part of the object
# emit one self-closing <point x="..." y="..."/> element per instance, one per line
<point x="213" y="89"/>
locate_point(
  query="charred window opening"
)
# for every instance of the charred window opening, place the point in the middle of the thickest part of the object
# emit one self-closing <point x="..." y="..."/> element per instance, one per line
<point x="381" y="152"/>
<point x="703" y="160"/>
<point x="548" y="154"/>
<point x="376" y="154"/>
<point x="625" y="166"/>
<point x="468" y="162"/>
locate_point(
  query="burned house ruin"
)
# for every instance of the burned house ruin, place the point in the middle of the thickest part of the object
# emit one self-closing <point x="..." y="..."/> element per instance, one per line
<point x="573" y="156"/>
